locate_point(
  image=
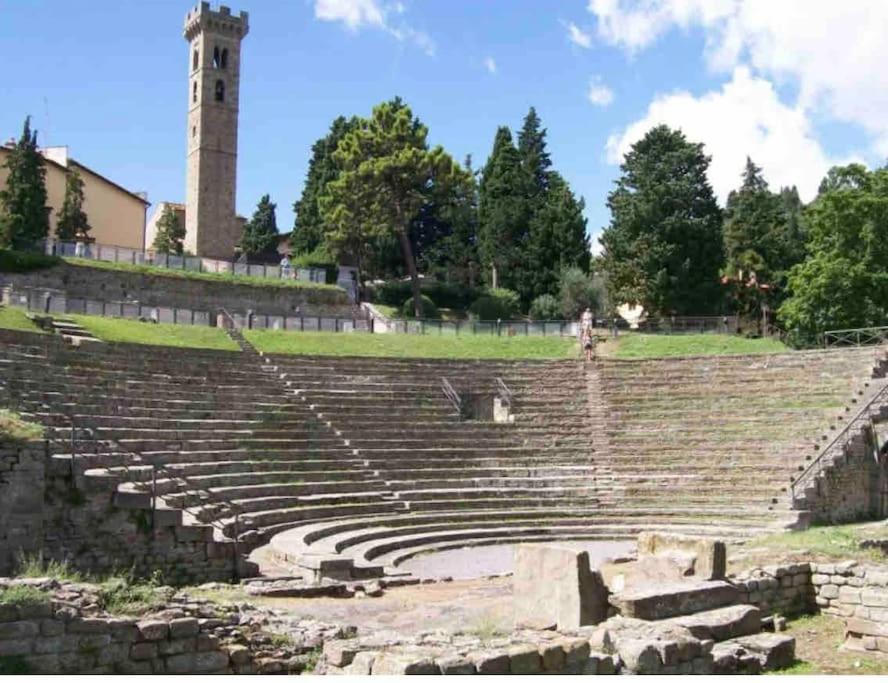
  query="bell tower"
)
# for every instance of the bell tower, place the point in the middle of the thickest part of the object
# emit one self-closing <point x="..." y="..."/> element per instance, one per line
<point x="214" y="40"/>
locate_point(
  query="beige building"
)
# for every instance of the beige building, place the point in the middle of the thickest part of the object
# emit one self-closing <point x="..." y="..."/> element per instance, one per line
<point x="116" y="215"/>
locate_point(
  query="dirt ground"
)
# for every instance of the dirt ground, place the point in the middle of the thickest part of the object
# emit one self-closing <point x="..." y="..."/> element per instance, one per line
<point x="818" y="649"/>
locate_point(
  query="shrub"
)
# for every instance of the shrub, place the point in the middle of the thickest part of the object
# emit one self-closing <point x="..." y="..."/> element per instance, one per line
<point x="319" y="258"/>
<point x="545" y="307"/>
<point x="577" y="292"/>
<point x="497" y="304"/>
<point x="429" y="309"/>
<point x="24" y="262"/>
<point x="446" y="295"/>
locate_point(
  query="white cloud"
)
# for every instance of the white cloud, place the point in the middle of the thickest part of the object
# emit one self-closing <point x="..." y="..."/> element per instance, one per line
<point x="834" y="52"/>
<point x="578" y="36"/>
<point x="599" y="94"/>
<point x="745" y="117"/>
<point x="357" y="14"/>
<point x="490" y="64"/>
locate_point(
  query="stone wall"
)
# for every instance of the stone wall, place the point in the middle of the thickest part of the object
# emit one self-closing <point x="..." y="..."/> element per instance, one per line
<point x="45" y="509"/>
<point x="860" y="595"/>
<point x="785" y="590"/>
<point x="853" y="488"/>
<point x="84" y="282"/>
<point x="21" y="500"/>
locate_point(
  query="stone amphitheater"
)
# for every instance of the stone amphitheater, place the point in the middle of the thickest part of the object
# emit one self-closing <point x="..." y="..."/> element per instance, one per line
<point x="320" y="472"/>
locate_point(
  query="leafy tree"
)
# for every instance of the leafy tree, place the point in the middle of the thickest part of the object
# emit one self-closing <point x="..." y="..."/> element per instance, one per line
<point x="762" y="235"/>
<point x="170" y="235"/>
<point x="387" y="173"/>
<point x="308" y="228"/>
<point x="844" y="281"/>
<point x="72" y="222"/>
<point x="545" y="307"/>
<point x="558" y="239"/>
<point x="663" y="247"/>
<point x="496" y="304"/>
<point x="503" y="213"/>
<point x="260" y="236"/>
<point x="578" y="291"/>
<point x="24" y="215"/>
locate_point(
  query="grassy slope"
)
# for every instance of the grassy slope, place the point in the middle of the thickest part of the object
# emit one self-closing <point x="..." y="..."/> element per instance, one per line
<point x="637" y="346"/>
<point x="13" y="427"/>
<point x="15" y="319"/>
<point x="135" y="332"/>
<point x="411" y="346"/>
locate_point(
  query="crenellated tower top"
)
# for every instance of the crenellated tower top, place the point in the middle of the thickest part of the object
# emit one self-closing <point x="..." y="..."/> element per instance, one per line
<point x="203" y="18"/>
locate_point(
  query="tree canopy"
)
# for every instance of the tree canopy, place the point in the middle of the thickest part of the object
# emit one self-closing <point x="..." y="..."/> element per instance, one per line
<point x="72" y="221"/>
<point x="24" y="213"/>
<point x="387" y="172"/>
<point x="663" y="247"/>
<point x="260" y="237"/>
<point x="170" y="236"/>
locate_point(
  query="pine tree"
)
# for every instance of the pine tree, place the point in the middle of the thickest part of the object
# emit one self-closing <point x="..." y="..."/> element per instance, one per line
<point x="72" y="222"/>
<point x="260" y="236"/>
<point x="503" y="213"/>
<point x="308" y="227"/>
<point x="663" y="247"/>
<point x="170" y="235"/>
<point x="24" y="214"/>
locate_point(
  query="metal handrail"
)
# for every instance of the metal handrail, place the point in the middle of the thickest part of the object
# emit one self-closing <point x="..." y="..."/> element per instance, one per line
<point x="505" y="393"/>
<point x="816" y="466"/>
<point x="452" y="396"/>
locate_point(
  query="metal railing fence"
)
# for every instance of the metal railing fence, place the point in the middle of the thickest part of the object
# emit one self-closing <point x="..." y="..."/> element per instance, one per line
<point x="861" y="336"/>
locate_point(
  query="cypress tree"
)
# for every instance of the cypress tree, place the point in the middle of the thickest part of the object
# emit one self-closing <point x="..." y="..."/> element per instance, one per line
<point x="24" y="214"/>
<point x="535" y="158"/>
<point x="260" y="236"/>
<point x="308" y="226"/>
<point x="503" y="212"/>
<point x="73" y="223"/>
<point x="170" y="235"/>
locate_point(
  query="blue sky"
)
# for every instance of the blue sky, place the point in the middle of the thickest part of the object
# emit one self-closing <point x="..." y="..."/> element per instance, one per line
<point x="109" y="79"/>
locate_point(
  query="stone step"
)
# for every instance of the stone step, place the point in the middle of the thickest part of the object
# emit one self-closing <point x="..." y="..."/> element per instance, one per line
<point x="673" y="599"/>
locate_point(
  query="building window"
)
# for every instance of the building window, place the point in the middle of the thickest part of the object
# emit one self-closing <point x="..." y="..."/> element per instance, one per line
<point x="195" y="61"/>
<point x="220" y="91"/>
<point x="216" y="58"/>
<point x="194" y="131"/>
<point x="225" y="58"/>
<point x="194" y="92"/>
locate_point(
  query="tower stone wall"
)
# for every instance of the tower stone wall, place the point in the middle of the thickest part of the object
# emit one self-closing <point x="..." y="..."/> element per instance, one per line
<point x="214" y="60"/>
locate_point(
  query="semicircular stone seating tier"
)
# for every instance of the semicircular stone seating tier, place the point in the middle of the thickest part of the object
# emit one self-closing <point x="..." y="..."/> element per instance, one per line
<point x="354" y="465"/>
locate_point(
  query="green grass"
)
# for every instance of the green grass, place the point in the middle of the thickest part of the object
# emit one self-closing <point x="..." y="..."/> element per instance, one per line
<point x="23" y="596"/>
<point x="15" y="319"/>
<point x="14" y="428"/>
<point x="127" y="597"/>
<point x="210" y="277"/>
<point x="161" y="334"/>
<point x="642" y="346"/>
<point x="35" y="567"/>
<point x="840" y="542"/>
<point x="412" y="346"/>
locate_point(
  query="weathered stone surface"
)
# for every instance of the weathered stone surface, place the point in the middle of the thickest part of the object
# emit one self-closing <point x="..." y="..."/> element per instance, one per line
<point x="709" y="556"/>
<point x="184" y="628"/>
<point x="362" y="665"/>
<point x="489" y="662"/>
<point x="18" y="629"/>
<point x="339" y="652"/>
<point x="773" y="650"/>
<point x="722" y="623"/>
<point x="671" y="600"/>
<point x="139" y="651"/>
<point x="651" y="569"/>
<point x="153" y="630"/>
<point x="552" y="655"/>
<point x="554" y="586"/>
<point x="402" y="663"/>
<point x="200" y="662"/>
<point x="866" y="627"/>
<point x="524" y="659"/>
<point x="455" y="666"/>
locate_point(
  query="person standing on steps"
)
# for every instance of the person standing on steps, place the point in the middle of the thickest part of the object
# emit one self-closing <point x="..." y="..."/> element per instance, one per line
<point x="586" y="320"/>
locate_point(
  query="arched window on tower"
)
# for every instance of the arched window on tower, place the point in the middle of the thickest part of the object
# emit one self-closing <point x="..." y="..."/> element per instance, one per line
<point x="194" y="91"/>
<point x="216" y="58"/>
<point x="195" y="60"/>
<point x="225" y="58"/>
<point x="220" y="91"/>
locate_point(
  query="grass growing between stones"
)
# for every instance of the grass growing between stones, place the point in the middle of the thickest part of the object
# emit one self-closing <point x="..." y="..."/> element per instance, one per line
<point x="412" y="346"/>
<point x="23" y="596"/>
<point x="160" y="334"/>
<point x="631" y="346"/>
<point x="818" y="639"/>
<point x="14" y="428"/>
<point x="35" y="567"/>
<point x="15" y="319"/>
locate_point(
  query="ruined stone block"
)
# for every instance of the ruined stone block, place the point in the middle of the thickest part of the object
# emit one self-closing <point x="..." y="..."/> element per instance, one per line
<point x="709" y="556"/>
